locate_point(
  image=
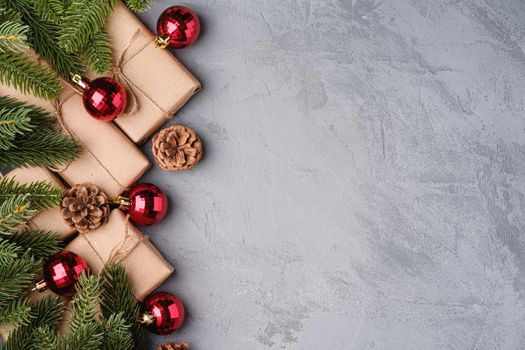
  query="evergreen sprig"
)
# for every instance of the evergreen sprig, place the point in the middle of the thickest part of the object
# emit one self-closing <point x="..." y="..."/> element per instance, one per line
<point x="13" y="122"/>
<point x="41" y="244"/>
<point x="50" y="10"/>
<point x="83" y="19"/>
<point x="46" y="312"/>
<point x="46" y="148"/>
<point x="8" y="251"/>
<point x="40" y="118"/>
<point x="139" y="5"/>
<point x="41" y="194"/>
<point x="97" y="53"/>
<point x="44" y="38"/>
<point x="14" y="212"/>
<point x="17" y="311"/>
<point x="13" y="36"/>
<point x="28" y="76"/>
<point x="16" y="277"/>
<point x="117" y="335"/>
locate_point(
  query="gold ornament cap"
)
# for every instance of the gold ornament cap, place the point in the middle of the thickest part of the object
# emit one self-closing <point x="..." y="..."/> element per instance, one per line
<point x="40" y="286"/>
<point x="162" y="41"/>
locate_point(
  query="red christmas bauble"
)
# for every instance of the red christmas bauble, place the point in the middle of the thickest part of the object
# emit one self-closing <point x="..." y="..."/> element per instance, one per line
<point x="178" y="27"/>
<point x="163" y="313"/>
<point x="104" y="98"/>
<point x="147" y="204"/>
<point x="62" y="271"/>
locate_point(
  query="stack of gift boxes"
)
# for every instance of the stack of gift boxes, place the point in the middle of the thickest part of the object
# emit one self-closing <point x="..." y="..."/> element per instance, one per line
<point x="110" y="157"/>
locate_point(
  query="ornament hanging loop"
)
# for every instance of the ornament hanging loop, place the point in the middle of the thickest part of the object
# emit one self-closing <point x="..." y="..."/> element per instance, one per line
<point x="40" y="286"/>
<point x="78" y="80"/>
<point x="146" y="318"/>
<point x="122" y="202"/>
<point x="162" y="41"/>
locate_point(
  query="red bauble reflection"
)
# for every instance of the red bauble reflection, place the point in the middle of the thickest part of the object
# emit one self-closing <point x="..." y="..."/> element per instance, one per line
<point x="163" y="313"/>
<point x="180" y="25"/>
<point x="104" y="98"/>
<point x="62" y="271"/>
<point x="148" y="204"/>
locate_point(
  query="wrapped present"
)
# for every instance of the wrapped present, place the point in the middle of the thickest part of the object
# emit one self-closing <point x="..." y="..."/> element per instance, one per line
<point x="160" y="84"/>
<point x="50" y="219"/>
<point x="108" y="158"/>
<point x="119" y="241"/>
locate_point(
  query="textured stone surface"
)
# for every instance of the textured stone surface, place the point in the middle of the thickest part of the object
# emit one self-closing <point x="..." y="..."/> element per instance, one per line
<point x="363" y="180"/>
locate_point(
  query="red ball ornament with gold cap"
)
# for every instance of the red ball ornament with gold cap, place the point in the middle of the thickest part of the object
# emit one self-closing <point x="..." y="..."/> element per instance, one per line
<point x="61" y="273"/>
<point x="163" y="313"/>
<point x="177" y="27"/>
<point x="103" y="98"/>
<point x="145" y="203"/>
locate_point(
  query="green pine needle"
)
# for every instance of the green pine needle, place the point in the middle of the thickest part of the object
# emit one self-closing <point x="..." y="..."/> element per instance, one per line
<point x="40" y="118"/>
<point x="97" y="52"/>
<point x="84" y="18"/>
<point x="85" y="302"/>
<point x="28" y="76"/>
<point x="46" y="312"/>
<point x="16" y="277"/>
<point x="50" y="10"/>
<point x="10" y="15"/>
<point x="13" y="36"/>
<point x="117" y="297"/>
<point x="46" y="148"/>
<point x="41" y="194"/>
<point x="8" y="251"/>
<point x="40" y="244"/>
<point x="15" y="312"/>
<point x="44" y="39"/>
<point x="117" y="334"/>
<point x="14" y="212"/>
<point x="13" y="122"/>
<point x="139" y="5"/>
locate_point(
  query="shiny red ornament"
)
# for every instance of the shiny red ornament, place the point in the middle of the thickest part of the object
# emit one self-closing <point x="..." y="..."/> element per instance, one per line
<point x="163" y="313"/>
<point x="103" y="98"/>
<point x="177" y="27"/>
<point x="145" y="203"/>
<point x="61" y="273"/>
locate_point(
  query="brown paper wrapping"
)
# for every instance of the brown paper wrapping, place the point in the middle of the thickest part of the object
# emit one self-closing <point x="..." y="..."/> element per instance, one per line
<point x="108" y="158"/>
<point x="145" y="266"/>
<point x="50" y="219"/>
<point x="161" y="84"/>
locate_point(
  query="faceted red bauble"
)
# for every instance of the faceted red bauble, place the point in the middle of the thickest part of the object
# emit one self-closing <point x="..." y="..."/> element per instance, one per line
<point x="180" y="24"/>
<point x="62" y="271"/>
<point x="148" y="204"/>
<point x="164" y="311"/>
<point x="104" y="98"/>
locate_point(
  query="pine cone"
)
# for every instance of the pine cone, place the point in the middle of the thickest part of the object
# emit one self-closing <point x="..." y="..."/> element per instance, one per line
<point x="177" y="148"/>
<point x="173" y="346"/>
<point x="85" y="207"/>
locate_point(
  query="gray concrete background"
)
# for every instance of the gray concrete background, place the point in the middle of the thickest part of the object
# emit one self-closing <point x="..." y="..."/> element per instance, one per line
<point x="363" y="185"/>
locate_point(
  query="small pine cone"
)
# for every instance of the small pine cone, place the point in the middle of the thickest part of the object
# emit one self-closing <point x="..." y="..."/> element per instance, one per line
<point x="173" y="346"/>
<point x="84" y="207"/>
<point x="177" y="148"/>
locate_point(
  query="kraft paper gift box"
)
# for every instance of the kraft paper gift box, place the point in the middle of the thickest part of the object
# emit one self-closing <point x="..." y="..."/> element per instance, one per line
<point x="161" y="84"/>
<point x="119" y="241"/>
<point x="50" y="219"/>
<point x="108" y="158"/>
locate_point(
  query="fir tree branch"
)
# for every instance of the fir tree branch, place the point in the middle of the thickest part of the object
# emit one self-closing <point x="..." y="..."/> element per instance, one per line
<point x="97" y="52"/>
<point x="117" y="298"/>
<point x="13" y="36"/>
<point x="84" y="18"/>
<point x="13" y="122"/>
<point x="50" y="10"/>
<point x="139" y="5"/>
<point x="45" y="339"/>
<point x="14" y="212"/>
<point x="45" y="148"/>
<point x="8" y="251"/>
<point x="16" y="311"/>
<point x="16" y="277"/>
<point x="44" y="37"/>
<point x="28" y="76"/>
<point x="85" y="302"/>
<point x="40" y="244"/>
<point x="41" y="194"/>
<point x="40" y="118"/>
<point x="46" y="312"/>
<point x="117" y="334"/>
<point x="11" y="15"/>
